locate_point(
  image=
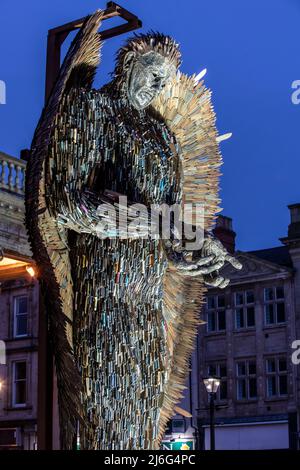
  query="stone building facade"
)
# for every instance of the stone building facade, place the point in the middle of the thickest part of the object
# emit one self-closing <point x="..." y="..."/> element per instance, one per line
<point x="247" y="342"/>
<point x="19" y="310"/>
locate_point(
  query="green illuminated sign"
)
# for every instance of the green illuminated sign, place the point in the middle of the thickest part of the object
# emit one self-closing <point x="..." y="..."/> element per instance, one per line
<point x="178" y="445"/>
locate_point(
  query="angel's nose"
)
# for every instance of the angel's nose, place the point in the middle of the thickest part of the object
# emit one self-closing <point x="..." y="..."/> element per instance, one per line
<point x="157" y="83"/>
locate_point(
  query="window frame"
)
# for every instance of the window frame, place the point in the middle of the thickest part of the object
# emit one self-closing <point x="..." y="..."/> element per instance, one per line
<point x="14" y="381"/>
<point x="244" y="307"/>
<point x="214" y="313"/>
<point x="277" y="373"/>
<point x="274" y="302"/>
<point x="246" y="378"/>
<point x="16" y="315"/>
<point x="223" y="378"/>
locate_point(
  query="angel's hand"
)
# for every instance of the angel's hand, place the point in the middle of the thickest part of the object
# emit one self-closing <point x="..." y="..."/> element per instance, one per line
<point x="212" y="258"/>
<point x="213" y="246"/>
<point x="183" y="262"/>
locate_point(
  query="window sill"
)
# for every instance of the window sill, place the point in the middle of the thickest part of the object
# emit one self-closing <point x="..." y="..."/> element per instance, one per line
<point x="245" y="401"/>
<point x="20" y="338"/>
<point x="18" y="408"/>
<point x="276" y="398"/>
<point x="274" y="325"/>
<point x="250" y="329"/>
<point x="215" y="333"/>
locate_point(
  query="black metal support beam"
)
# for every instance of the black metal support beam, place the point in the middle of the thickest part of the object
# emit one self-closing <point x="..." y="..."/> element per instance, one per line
<point x="58" y="35"/>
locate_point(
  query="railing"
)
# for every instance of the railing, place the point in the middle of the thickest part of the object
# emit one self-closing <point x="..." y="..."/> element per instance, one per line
<point x="12" y="174"/>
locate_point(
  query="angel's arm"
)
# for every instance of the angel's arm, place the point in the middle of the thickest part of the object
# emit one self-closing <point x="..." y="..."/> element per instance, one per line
<point x="77" y="152"/>
<point x="104" y="214"/>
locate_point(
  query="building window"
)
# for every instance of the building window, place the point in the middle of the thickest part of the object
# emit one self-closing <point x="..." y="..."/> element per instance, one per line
<point x="19" y="394"/>
<point x="244" y="309"/>
<point x="276" y="370"/>
<point x="219" y="370"/>
<point x="216" y="314"/>
<point x="178" y="426"/>
<point x="20" y="316"/>
<point x="246" y="380"/>
<point x="274" y="305"/>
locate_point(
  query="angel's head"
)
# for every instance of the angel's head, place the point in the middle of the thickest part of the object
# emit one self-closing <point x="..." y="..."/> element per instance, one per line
<point x="144" y="66"/>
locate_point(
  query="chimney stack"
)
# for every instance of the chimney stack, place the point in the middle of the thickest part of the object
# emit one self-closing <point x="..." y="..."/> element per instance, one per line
<point x="223" y="231"/>
<point x="294" y="227"/>
<point x="25" y="154"/>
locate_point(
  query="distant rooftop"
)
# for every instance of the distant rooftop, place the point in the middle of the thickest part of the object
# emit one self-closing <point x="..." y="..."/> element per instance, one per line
<point x="279" y="255"/>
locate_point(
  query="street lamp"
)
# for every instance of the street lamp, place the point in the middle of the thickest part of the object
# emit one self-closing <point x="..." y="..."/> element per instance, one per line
<point x="212" y="384"/>
<point x="30" y="271"/>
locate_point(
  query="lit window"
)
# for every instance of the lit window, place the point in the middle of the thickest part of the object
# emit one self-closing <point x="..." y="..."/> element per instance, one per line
<point x="274" y="305"/>
<point x="20" y="316"/>
<point x="19" y="383"/>
<point x="246" y="380"/>
<point x="244" y="309"/>
<point x="276" y="370"/>
<point x="216" y="314"/>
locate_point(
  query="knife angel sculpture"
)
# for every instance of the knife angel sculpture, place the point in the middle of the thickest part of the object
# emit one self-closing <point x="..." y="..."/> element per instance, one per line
<point x="122" y="310"/>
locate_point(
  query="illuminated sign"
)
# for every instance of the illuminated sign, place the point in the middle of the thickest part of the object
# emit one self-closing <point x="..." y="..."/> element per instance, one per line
<point x="179" y="444"/>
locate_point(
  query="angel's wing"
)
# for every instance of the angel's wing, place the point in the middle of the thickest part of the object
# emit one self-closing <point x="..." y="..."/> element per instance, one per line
<point x="187" y="110"/>
<point x="49" y="244"/>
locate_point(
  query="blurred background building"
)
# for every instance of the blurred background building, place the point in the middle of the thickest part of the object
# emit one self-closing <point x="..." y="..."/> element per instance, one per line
<point x="246" y="341"/>
<point x="19" y="312"/>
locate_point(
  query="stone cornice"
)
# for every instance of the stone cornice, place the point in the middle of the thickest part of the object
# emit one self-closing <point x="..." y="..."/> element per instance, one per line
<point x="255" y="270"/>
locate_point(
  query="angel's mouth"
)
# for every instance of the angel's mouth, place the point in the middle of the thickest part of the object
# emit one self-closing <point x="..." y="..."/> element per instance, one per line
<point x="145" y="95"/>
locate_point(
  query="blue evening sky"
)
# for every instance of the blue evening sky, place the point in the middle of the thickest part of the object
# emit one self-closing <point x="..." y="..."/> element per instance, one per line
<point x="251" y="51"/>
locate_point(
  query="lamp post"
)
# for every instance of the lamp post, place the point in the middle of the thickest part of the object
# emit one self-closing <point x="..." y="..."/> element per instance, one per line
<point x="212" y="384"/>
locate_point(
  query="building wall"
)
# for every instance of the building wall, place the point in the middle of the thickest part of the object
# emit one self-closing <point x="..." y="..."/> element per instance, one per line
<point x="250" y="437"/>
<point x="258" y="343"/>
<point x="15" y="282"/>
<point x="19" y="349"/>
<point x="263" y="421"/>
<point x="236" y="419"/>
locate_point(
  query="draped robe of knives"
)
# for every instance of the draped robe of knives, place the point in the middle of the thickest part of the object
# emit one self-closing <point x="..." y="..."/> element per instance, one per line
<point x="122" y="320"/>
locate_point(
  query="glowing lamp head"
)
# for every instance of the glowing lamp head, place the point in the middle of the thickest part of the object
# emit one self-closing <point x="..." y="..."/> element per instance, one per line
<point x="211" y="384"/>
<point x="30" y="271"/>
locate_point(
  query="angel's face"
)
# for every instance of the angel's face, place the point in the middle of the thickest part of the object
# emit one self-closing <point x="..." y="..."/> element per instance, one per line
<point x="147" y="76"/>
